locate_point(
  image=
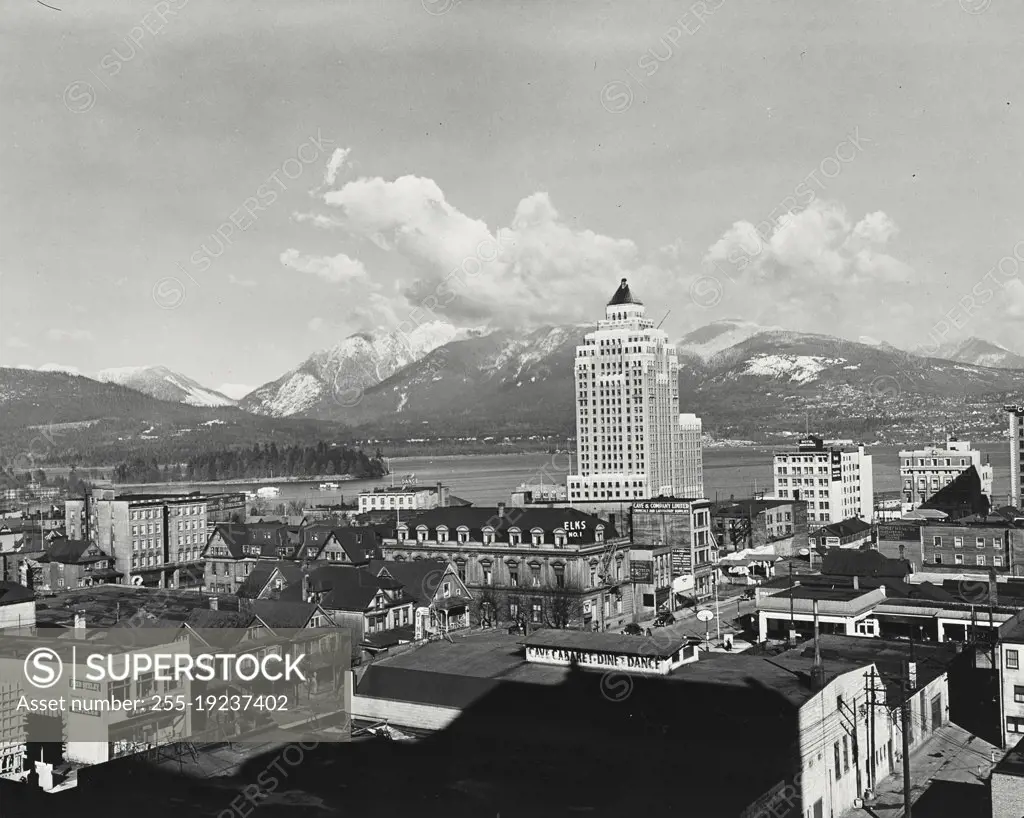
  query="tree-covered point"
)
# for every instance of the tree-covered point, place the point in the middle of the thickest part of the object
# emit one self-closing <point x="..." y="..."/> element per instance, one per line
<point x="258" y="461"/>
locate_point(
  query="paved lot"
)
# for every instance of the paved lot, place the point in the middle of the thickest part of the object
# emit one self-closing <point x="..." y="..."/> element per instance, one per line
<point x="729" y="612"/>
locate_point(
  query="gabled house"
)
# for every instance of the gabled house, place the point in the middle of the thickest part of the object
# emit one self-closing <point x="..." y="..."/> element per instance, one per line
<point x="367" y="605"/>
<point x="73" y="564"/>
<point x="443" y="599"/>
<point x="343" y="545"/>
<point x="233" y="549"/>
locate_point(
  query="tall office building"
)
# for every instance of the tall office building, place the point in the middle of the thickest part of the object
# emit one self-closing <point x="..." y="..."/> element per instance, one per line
<point x="627" y="408"/>
<point x="925" y="471"/>
<point x="837" y="484"/>
<point x="1016" y="415"/>
<point x="691" y="431"/>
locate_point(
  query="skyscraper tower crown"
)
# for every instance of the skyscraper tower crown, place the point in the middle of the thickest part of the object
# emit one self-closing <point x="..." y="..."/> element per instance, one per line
<point x="623" y="295"/>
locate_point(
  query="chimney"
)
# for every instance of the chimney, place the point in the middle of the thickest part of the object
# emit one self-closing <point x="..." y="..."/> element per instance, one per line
<point x="307" y="590"/>
<point x="856" y="583"/>
<point x="79" y="623"/>
<point x="501" y="511"/>
<point x="213" y="603"/>
<point x="440" y="495"/>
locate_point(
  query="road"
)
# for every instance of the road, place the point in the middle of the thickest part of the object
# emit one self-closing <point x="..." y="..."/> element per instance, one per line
<point x="729" y="610"/>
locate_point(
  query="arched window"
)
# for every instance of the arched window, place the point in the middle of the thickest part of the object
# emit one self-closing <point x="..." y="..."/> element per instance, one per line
<point x="442" y="533"/>
<point x="403" y="533"/>
<point x="537" y="536"/>
<point x="560" y="538"/>
<point x="463" y="534"/>
<point x="515" y="536"/>
<point x="599" y="534"/>
<point x="421" y="533"/>
<point x="488" y="535"/>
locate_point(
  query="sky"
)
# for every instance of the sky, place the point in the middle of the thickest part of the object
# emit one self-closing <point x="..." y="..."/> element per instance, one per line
<point x="225" y="188"/>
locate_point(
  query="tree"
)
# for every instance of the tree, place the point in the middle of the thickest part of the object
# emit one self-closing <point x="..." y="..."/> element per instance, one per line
<point x="563" y="605"/>
<point x="486" y="607"/>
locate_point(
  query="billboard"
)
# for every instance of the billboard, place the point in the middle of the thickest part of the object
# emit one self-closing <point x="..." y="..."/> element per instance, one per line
<point x="662" y="507"/>
<point x="837" y="466"/>
<point x="1014" y="409"/>
<point x="810" y="444"/>
<point x="641" y="571"/>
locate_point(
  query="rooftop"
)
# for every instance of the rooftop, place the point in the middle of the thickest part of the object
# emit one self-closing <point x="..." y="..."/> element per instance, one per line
<point x="106" y="605"/>
<point x="623" y="295"/>
<point x="1013" y="762"/>
<point x="603" y="642"/>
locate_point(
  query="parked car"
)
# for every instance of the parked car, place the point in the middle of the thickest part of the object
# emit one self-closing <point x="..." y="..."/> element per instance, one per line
<point x="633" y="629"/>
<point x="663" y="619"/>
<point x="750" y="593"/>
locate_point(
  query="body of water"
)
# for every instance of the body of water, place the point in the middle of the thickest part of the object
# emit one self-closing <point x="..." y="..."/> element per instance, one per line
<point x="489" y="479"/>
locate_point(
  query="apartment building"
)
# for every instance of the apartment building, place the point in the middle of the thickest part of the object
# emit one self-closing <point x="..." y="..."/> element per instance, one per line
<point x="155" y="540"/>
<point x="836" y="484"/>
<point x="743" y="524"/>
<point x="674" y="536"/>
<point x="404" y="498"/>
<point x="923" y="472"/>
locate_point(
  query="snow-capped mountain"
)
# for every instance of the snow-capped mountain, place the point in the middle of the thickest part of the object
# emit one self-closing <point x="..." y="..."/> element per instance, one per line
<point x="334" y="379"/>
<point x="979" y="352"/>
<point x="164" y="384"/>
<point x="707" y="341"/>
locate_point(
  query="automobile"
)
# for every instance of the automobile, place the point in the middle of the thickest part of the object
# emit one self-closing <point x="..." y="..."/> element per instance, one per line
<point x="750" y="593"/>
<point x="663" y="619"/>
<point x="632" y="629"/>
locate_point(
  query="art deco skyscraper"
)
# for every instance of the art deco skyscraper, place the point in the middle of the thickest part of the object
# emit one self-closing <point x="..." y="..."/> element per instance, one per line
<point x="629" y="443"/>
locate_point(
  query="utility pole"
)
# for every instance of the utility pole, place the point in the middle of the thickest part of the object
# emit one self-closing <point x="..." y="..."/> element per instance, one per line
<point x="905" y="728"/>
<point x="871" y="728"/>
<point x="792" y="609"/>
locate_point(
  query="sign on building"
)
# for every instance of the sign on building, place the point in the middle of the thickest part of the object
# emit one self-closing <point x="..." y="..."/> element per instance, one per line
<point x="641" y="571"/>
<point x="837" y="466"/>
<point x="662" y="507"/>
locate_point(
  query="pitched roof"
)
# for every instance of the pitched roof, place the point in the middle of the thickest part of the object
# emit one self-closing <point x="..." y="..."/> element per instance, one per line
<point x="852" y="527"/>
<point x="849" y="562"/>
<point x="70" y="552"/>
<point x="525" y="519"/>
<point x="419" y="578"/>
<point x="344" y="588"/>
<point x="12" y="592"/>
<point x="624" y="296"/>
<point x="278" y="613"/>
<point x="268" y="536"/>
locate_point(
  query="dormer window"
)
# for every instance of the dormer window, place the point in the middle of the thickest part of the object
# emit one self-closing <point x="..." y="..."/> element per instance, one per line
<point x="463" y="534"/>
<point x="515" y="536"/>
<point x="488" y="534"/>
<point x="599" y="534"/>
<point x="421" y="533"/>
<point x="560" y="538"/>
<point x="442" y="533"/>
<point x="403" y="534"/>
<point x="537" y="536"/>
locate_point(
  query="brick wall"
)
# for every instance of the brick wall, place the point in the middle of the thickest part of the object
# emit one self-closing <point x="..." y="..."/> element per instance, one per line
<point x="1007" y="795"/>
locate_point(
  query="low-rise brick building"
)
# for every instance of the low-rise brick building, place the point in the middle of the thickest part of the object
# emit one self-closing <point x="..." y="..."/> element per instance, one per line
<point x="976" y="543"/>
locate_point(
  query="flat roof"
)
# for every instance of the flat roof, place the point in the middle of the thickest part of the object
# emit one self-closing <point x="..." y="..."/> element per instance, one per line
<point x="831" y="593"/>
<point x="604" y="642"/>
<point x="107" y="605"/>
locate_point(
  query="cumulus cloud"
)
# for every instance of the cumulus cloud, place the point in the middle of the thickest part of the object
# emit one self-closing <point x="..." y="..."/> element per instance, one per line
<point x="56" y="334"/>
<point x="815" y="269"/>
<point x="538" y="268"/>
<point x="335" y="164"/>
<point x="336" y="269"/>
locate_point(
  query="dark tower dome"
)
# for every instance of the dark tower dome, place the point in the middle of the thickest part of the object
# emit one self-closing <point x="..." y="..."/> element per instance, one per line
<point x="624" y="296"/>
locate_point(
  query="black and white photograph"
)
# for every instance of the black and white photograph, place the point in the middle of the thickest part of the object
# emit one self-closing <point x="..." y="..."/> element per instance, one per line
<point x="506" y="408"/>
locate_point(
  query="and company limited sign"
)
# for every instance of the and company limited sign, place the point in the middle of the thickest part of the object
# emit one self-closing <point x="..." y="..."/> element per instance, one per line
<point x="662" y="507"/>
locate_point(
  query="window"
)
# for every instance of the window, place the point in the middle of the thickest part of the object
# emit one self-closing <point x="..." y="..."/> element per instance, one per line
<point x="460" y="567"/>
<point x="488" y="536"/>
<point x="958" y="559"/>
<point x="1012" y="660"/>
<point x="839" y="769"/>
<point x="488" y="578"/>
<point x="1014" y="724"/>
<point x="559" y="576"/>
<point x="1018" y="694"/>
<point x="446" y="589"/>
<point x="981" y="542"/>
<point x="846" y="756"/>
<point x="146" y="685"/>
<point x="938" y="559"/>
<point x="997" y="561"/>
<point x="937" y="542"/>
<point x="536" y="610"/>
<point x="119" y="690"/>
<point x="980" y="559"/>
<point x="535" y="575"/>
<point x="513" y="575"/>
